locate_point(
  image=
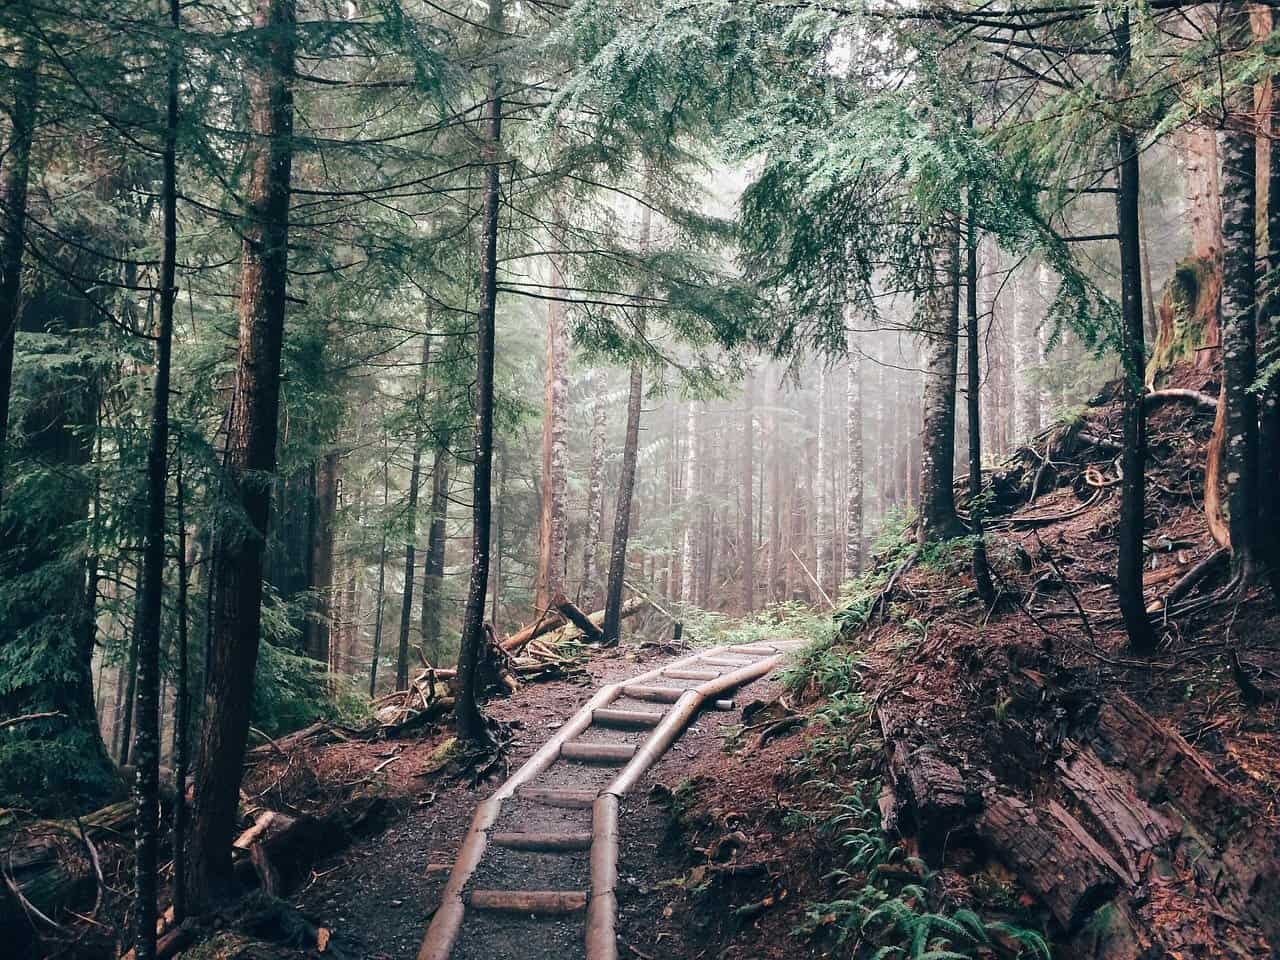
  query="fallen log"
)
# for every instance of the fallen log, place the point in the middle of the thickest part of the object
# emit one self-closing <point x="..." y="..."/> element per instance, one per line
<point x="1052" y="856"/>
<point x="589" y="628"/>
<point x="548" y="621"/>
<point x="1201" y="401"/>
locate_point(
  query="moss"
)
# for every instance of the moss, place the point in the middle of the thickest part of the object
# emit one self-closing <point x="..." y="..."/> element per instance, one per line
<point x="1188" y="315"/>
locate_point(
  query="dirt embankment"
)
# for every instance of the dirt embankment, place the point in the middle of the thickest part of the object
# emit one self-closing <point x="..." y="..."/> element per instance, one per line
<point x="998" y="782"/>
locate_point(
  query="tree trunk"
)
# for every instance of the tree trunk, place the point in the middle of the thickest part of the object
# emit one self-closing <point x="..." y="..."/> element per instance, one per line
<point x="252" y="428"/>
<point x="981" y="568"/>
<point x="322" y="620"/>
<point x="853" y="429"/>
<point x="821" y="525"/>
<point x="595" y="495"/>
<point x="433" y="569"/>
<point x="627" y="481"/>
<point x="746" y="546"/>
<point x="1133" y="358"/>
<point x="470" y="721"/>
<point x="776" y="510"/>
<point x="13" y="222"/>
<point x="380" y="596"/>
<point x="151" y="609"/>
<point x="551" y="527"/>
<point x="182" y="712"/>
<point x="937" y="462"/>
<point x="1026" y="361"/>
<point x="411" y="521"/>
<point x="688" y="554"/>
<point x="1236" y="150"/>
<point x="1269" y="416"/>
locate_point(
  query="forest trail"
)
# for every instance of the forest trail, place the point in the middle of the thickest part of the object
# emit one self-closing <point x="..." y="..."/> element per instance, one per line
<point x="537" y="873"/>
<point x="378" y="896"/>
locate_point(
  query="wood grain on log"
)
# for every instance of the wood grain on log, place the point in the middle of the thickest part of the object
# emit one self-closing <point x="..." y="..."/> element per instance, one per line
<point x="1052" y="856"/>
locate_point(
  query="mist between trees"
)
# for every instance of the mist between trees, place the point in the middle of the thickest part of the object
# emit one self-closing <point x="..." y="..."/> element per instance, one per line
<point x="333" y="332"/>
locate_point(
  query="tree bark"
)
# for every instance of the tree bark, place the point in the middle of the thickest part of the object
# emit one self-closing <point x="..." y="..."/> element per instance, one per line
<point x="1269" y="334"/>
<point x="1236" y="150"/>
<point x="746" y="546"/>
<point x="937" y="462"/>
<point x="551" y="527"/>
<point x="433" y="569"/>
<point x="1133" y="359"/>
<point x="689" y="549"/>
<point x="380" y="596"/>
<point x="322" y="620"/>
<point x="627" y="481"/>
<point x="14" y="177"/>
<point x="411" y="520"/>
<point x="853" y="428"/>
<point x="595" y="495"/>
<point x="151" y="609"/>
<point x="981" y="568"/>
<point x="822" y="518"/>
<point x="252" y="429"/>
<point x="1026" y="353"/>
<point x="182" y="713"/>
<point x="470" y="721"/>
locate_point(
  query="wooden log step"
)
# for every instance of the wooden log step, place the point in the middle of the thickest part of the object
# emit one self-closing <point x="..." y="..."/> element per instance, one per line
<point x="723" y="705"/>
<point x="585" y="751"/>
<point x="552" y="797"/>
<point x="754" y="651"/>
<point x="642" y="691"/>
<point x="550" y="902"/>
<point x="685" y="673"/>
<point x="547" y="842"/>
<point x="613" y="717"/>
<point x="726" y="661"/>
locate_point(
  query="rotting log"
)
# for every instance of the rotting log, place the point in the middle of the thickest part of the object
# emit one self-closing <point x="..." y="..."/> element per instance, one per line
<point x="931" y="794"/>
<point x="1163" y="763"/>
<point x="557" y="621"/>
<point x="1052" y="856"/>
<point x="1105" y="800"/>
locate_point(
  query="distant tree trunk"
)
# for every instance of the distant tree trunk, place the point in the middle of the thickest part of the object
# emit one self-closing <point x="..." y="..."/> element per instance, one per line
<point x="1026" y="361"/>
<point x="322" y="619"/>
<point x="1133" y="358"/>
<point x="595" y="495"/>
<point x="1236" y="150"/>
<point x="688" y="555"/>
<point x="775" y="495"/>
<point x="747" y="547"/>
<point x="380" y="597"/>
<point x="411" y="523"/>
<point x="433" y="569"/>
<point x="821" y="528"/>
<point x="502" y="462"/>
<point x="981" y="568"/>
<point x="627" y="481"/>
<point x="551" y="527"/>
<point x="470" y="721"/>
<point x="1201" y="167"/>
<point x="14" y="176"/>
<point x="853" y="429"/>
<point x="937" y="464"/>
<point x="182" y="713"/>
<point x="252" y="428"/>
<point x="151" y="609"/>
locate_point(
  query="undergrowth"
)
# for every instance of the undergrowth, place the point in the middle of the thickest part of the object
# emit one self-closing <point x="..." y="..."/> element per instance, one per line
<point x="887" y="904"/>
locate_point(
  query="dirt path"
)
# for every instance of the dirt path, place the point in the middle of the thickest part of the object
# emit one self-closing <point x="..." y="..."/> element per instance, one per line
<point x="379" y="896"/>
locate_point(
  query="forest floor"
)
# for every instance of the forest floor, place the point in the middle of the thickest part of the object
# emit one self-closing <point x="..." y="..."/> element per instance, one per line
<point x="376" y="897"/>
<point x="931" y="778"/>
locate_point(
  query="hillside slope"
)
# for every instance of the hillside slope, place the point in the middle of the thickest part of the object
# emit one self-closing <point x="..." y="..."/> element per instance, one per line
<point x="998" y="782"/>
